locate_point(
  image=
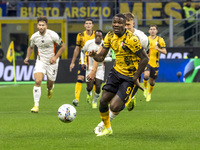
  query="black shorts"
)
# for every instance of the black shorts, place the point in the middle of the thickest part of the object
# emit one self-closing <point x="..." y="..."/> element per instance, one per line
<point x="153" y="71"/>
<point x="81" y="71"/>
<point x="120" y="84"/>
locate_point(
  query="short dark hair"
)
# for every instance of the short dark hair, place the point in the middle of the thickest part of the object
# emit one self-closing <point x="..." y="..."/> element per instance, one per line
<point x="120" y="16"/>
<point x="153" y="25"/>
<point x="42" y="18"/>
<point x="99" y="31"/>
<point x="89" y="19"/>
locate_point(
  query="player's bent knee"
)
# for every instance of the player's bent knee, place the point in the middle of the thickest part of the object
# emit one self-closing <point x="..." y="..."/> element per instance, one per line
<point x="115" y="108"/>
<point x="50" y="86"/>
<point x="98" y="89"/>
<point x="38" y="82"/>
<point x="103" y="102"/>
<point x="89" y="88"/>
<point x="80" y="78"/>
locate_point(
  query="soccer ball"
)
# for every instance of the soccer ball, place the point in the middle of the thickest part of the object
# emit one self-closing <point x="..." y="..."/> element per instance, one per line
<point x="66" y="113"/>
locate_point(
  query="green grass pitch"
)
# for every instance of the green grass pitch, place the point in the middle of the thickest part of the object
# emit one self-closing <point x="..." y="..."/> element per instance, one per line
<point x="170" y="121"/>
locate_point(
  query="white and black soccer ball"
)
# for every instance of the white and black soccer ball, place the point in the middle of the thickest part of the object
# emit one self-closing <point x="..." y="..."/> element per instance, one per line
<point x="66" y="113"/>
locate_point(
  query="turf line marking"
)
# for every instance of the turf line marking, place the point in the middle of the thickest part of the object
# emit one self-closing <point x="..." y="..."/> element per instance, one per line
<point x="4" y="86"/>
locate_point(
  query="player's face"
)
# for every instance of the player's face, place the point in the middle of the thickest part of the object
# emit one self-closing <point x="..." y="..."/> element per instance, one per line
<point x="98" y="37"/>
<point x="88" y="25"/>
<point x="189" y="3"/>
<point x="129" y="25"/>
<point x="153" y="31"/>
<point x="118" y="25"/>
<point x="42" y="26"/>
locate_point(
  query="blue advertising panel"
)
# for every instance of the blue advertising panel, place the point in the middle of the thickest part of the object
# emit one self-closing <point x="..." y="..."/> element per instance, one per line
<point x="188" y="69"/>
<point x="169" y="68"/>
<point x="3" y="8"/>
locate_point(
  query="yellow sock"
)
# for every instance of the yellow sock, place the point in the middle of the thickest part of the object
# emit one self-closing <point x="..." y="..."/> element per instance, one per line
<point x="151" y="87"/>
<point x="145" y="83"/>
<point x="94" y="89"/>
<point x="78" y="88"/>
<point x="106" y="119"/>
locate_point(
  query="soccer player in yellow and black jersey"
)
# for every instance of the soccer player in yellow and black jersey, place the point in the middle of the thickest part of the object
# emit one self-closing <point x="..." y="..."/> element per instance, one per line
<point x="130" y="62"/>
<point x="81" y="38"/>
<point x="157" y="46"/>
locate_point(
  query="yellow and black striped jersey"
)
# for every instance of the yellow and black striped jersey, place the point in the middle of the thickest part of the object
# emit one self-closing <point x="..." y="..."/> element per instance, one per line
<point x="125" y="47"/>
<point x="155" y="54"/>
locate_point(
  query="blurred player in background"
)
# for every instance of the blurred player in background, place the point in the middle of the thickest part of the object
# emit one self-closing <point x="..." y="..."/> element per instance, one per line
<point x="47" y="59"/>
<point x="88" y="34"/>
<point x="130" y="23"/>
<point x="130" y="62"/>
<point x="157" y="46"/>
<point x="90" y="45"/>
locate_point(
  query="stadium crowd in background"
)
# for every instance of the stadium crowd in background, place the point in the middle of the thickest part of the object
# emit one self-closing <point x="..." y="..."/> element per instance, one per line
<point x="188" y="12"/>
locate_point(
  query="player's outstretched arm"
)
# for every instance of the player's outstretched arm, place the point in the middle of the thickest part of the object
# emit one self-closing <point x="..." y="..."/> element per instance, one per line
<point x="75" y="55"/>
<point x="99" y="56"/>
<point x="162" y="50"/>
<point x="29" y="52"/>
<point x="61" y="50"/>
<point x="142" y="64"/>
<point x="83" y="66"/>
<point x="92" y="73"/>
<point x="58" y="54"/>
<point x="108" y="57"/>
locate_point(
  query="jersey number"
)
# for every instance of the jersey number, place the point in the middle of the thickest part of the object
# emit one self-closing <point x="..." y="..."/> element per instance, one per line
<point x="128" y="91"/>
